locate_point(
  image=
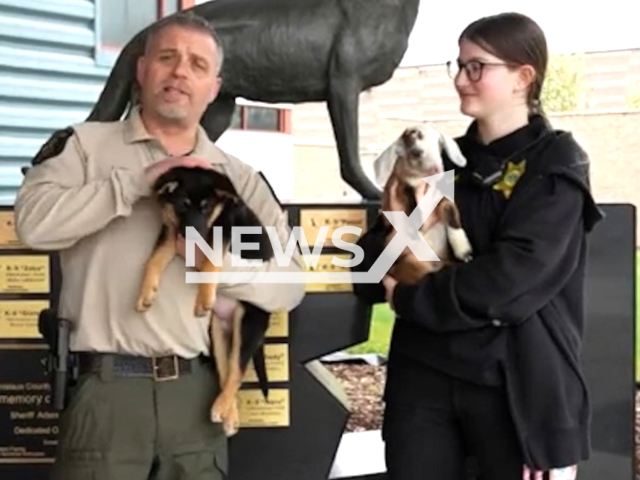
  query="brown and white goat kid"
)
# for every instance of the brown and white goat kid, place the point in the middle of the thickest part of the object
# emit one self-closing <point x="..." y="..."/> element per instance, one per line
<point x="414" y="155"/>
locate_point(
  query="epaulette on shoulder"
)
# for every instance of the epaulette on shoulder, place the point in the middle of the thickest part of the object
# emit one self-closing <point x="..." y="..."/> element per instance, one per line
<point x="53" y="146"/>
<point x="264" y="179"/>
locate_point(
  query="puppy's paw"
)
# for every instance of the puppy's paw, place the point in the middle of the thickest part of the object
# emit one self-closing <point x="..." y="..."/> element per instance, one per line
<point x="146" y="297"/>
<point x="231" y="423"/>
<point x="220" y="409"/>
<point x="205" y="301"/>
<point x="216" y="415"/>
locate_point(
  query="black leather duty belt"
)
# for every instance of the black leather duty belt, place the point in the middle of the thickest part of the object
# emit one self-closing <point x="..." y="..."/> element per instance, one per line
<point x="160" y="369"/>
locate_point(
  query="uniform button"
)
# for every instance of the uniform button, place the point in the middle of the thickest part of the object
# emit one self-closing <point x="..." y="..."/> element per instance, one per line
<point x="496" y="323"/>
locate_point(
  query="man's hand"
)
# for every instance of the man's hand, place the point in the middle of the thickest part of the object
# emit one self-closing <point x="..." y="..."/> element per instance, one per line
<point x="396" y="204"/>
<point x="157" y="169"/>
<point x="389" y="285"/>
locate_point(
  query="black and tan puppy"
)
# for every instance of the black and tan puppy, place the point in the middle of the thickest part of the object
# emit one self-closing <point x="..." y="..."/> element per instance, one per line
<point x="205" y="199"/>
<point x="418" y="153"/>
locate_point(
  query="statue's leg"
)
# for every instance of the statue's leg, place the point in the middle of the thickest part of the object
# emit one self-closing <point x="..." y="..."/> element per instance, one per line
<point x="344" y="92"/>
<point x="217" y="117"/>
<point x="117" y="92"/>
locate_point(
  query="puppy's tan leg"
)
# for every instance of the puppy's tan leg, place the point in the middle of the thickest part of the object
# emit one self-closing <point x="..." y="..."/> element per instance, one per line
<point x="456" y="235"/>
<point x="163" y="253"/>
<point x="225" y="407"/>
<point x="207" y="291"/>
<point x="220" y="346"/>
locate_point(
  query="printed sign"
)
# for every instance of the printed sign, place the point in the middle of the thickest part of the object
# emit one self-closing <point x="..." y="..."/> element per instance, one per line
<point x="311" y="220"/>
<point x="28" y="421"/>
<point x="324" y="265"/>
<point x="24" y="274"/>
<point x="19" y="318"/>
<point x="8" y="237"/>
<point x="276" y="359"/>
<point x="255" y="412"/>
<point x="278" y="325"/>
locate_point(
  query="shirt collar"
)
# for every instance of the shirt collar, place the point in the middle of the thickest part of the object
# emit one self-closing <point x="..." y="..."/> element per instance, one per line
<point x="135" y="131"/>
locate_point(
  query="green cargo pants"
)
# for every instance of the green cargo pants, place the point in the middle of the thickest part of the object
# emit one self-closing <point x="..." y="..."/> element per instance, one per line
<point x="118" y="428"/>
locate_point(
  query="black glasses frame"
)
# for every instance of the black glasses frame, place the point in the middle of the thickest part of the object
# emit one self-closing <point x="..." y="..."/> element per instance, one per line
<point x="473" y="68"/>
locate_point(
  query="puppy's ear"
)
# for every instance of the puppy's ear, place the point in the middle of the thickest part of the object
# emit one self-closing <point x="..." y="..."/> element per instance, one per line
<point x="167" y="188"/>
<point x="451" y="148"/>
<point x="222" y="185"/>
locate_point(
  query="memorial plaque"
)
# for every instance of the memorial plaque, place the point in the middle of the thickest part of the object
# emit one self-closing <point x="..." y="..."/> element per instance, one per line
<point x="28" y="422"/>
<point x="255" y="412"/>
<point x="325" y="265"/>
<point x="19" y="318"/>
<point x="276" y="356"/>
<point x="312" y="220"/>
<point x="278" y="325"/>
<point x="24" y="274"/>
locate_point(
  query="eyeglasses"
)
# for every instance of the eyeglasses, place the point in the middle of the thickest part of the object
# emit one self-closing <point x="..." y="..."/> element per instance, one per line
<point x="473" y="68"/>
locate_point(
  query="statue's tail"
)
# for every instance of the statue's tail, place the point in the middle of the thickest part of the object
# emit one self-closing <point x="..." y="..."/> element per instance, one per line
<point x="118" y="89"/>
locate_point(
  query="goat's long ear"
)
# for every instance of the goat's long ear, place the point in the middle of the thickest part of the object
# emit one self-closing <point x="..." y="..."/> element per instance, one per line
<point x="451" y="148"/>
<point x="383" y="165"/>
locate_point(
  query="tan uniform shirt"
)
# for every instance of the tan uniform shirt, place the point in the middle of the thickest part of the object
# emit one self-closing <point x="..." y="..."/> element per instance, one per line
<point x="92" y="204"/>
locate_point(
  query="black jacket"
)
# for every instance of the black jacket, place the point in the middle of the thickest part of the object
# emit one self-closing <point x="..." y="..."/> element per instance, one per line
<point x="515" y="314"/>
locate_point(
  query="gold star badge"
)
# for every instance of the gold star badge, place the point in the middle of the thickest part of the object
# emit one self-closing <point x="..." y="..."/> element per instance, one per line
<point x="510" y="178"/>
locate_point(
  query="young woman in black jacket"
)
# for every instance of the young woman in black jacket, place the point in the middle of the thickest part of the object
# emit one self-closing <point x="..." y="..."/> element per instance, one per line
<point x="484" y="362"/>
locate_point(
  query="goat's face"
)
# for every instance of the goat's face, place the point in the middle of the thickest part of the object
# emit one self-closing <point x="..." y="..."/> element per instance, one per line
<point x="419" y="152"/>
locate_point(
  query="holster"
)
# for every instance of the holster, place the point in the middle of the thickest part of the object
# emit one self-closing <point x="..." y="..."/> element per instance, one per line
<point x="62" y="365"/>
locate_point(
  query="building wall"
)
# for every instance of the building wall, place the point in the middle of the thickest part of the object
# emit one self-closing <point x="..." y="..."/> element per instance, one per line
<point x="48" y="77"/>
<point x="55" y="56"/>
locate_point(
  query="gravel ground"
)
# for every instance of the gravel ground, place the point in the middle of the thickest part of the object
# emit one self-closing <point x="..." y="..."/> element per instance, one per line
<point x="363" y="385"/>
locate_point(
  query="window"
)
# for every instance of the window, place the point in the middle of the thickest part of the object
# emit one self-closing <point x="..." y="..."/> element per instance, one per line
<point x="249" y="117"/>
<point x="120" y="20"/>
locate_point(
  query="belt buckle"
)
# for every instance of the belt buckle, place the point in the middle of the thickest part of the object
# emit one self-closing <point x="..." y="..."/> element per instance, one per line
<point x="165" y="368"/>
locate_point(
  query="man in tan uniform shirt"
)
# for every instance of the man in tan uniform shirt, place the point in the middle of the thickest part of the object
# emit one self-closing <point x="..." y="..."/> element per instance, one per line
<point x="91" y="202"/>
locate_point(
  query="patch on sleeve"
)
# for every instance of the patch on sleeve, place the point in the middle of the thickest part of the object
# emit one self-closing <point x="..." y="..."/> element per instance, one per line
<point x="53" y="146"/>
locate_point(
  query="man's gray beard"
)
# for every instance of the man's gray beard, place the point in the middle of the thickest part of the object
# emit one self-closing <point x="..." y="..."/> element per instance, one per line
<point x="171" y="113"/>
